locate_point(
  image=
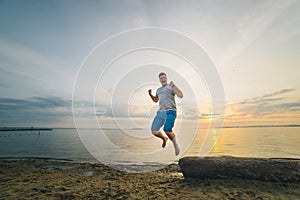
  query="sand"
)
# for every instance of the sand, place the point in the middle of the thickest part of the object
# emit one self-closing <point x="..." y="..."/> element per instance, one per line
<point x="30" y="178"/>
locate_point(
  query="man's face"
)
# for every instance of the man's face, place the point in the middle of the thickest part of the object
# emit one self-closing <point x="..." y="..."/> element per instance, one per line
<point x="163" y="80"/>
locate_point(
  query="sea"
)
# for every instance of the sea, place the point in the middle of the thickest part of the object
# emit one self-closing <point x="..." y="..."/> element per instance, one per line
<point x="71" y="144"/>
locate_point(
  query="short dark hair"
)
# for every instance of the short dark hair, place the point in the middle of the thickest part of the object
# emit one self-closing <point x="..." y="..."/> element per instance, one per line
<point x="161" y="73"/>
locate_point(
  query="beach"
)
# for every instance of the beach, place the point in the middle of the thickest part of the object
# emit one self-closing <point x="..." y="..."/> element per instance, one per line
<point x="33" y="178"/>
<point x="139" y="99"/>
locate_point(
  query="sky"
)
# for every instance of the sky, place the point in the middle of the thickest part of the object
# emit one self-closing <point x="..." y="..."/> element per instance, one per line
<point x="254" y="46"/>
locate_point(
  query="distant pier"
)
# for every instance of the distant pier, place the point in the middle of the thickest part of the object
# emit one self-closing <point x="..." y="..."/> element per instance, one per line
<point x="24" y="129"/>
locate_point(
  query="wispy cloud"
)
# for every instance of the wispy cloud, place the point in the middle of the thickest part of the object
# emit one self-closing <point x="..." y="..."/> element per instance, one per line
<point x="276" y="93"/>
<point x="252" y="25"/>
<point x="265" y="106"/>
<point x="23" y="58"/>
<point x="263" y="99"/>
<point x="23" y="65"/>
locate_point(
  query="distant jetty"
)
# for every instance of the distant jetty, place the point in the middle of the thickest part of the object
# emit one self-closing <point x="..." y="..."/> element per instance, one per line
<point x="24" y="129"/>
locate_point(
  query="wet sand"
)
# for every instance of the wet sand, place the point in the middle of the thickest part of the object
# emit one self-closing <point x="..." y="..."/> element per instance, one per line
<point x="51" y="179"/>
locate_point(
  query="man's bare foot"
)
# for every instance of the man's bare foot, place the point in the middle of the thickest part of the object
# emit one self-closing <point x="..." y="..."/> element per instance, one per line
<point x="165" y="139"/>
<point x="177" y="150"/>
<point x="176" y="146"/>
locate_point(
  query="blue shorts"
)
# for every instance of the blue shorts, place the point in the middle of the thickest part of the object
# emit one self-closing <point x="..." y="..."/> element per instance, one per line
<point x="164" y="118"/>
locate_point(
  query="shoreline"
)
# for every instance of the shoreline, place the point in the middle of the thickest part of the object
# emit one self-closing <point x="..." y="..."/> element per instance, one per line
<point x="60" y="179"/>
<point x="96" y="161"/>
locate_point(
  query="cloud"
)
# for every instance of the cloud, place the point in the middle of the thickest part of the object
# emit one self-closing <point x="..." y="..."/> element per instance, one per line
<point x="260" y="101"/>
<point x="191" y="113"/>
<point x="277" y="92"/>
<point x="123" y="111"/>
<point x="263" y="99"/>
<point x="33" y="103"/>
<point x="290" y="106"/>
<point x="35" y="110"/>
<point x="252" y="25"/>
<point x="25" y="66"/>
<point x="47" y="110"/>
<point x="264" y="106"/>
<point x="53" y="109"/>
<point x="20" y="56"/>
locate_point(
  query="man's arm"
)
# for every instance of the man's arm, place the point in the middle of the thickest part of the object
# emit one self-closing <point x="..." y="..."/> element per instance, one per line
<point x="176" y="90"/>
<point x="154" y="98"/>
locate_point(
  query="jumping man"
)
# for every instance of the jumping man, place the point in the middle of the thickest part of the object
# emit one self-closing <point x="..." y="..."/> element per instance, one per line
<point x="166" y="114"/>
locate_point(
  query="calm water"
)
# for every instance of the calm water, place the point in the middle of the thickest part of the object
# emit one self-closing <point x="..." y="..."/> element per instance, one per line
<point x="268" y="142"/>
<point x="66" y="144"/>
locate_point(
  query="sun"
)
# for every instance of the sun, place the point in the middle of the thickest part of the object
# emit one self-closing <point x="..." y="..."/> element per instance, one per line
<point x="212" y="117"/>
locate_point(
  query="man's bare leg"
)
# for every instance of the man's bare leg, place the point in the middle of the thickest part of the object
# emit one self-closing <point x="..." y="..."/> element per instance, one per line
<point x="172" y="137"/>
<point x="161" y="136"/>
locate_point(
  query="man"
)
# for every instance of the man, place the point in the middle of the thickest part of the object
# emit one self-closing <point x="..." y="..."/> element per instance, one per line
<point x="166" y="114"/>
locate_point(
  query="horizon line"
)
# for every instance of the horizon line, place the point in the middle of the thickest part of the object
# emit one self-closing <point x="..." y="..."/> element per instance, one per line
<point x="233" y="126"/>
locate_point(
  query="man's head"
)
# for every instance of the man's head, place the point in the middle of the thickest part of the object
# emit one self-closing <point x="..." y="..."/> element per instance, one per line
<point x="163" y="78"/>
